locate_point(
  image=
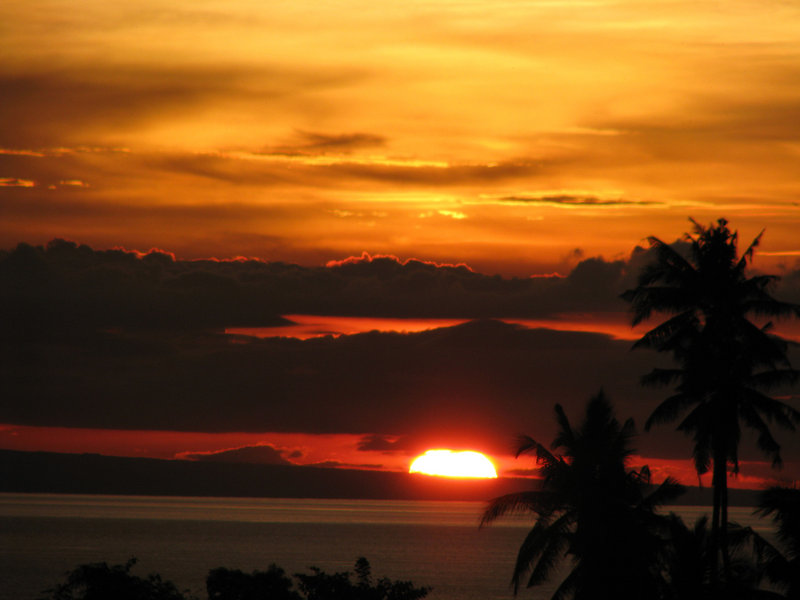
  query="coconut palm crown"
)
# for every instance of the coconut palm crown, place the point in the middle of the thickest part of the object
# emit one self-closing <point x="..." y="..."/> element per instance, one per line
<point x="592" y="508"/>
<point x="725" y="362"/>
<point x="783" y="559"/>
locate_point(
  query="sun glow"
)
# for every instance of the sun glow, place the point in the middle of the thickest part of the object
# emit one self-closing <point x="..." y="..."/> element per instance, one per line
<point x="447" y="463"/>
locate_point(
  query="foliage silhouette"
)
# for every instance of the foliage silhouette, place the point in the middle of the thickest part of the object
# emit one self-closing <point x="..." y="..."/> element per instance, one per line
<point x="98" y="581"/>
<point x="688" y="563"/>
<point x="783" y="566"/>
<point x="724" y="360"/>
<point x="338" y="586"/>
<point x="233" y="584"/>
<point x="102" y="582"/>
<point x="592" y="508"/>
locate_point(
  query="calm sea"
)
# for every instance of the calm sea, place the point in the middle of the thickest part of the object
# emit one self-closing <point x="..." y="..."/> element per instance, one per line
<point x="436" y="544"/>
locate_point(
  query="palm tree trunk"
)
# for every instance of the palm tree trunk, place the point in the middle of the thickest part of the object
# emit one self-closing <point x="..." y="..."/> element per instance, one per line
<point x="719" y="519"/>
<point x="713" y="550"/>
<point x="723" y="537"/>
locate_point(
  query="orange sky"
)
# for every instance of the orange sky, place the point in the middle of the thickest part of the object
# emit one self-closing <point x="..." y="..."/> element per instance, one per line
<point x="514" y="136"/>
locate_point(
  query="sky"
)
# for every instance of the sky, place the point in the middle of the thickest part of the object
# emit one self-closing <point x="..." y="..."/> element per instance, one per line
<point x="513" y="136"/>
<point x="439" y="141"/>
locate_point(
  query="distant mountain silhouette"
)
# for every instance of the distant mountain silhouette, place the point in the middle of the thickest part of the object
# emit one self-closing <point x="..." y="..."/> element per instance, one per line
<point x="46" y="472"/>
<point x="255" y="455"/>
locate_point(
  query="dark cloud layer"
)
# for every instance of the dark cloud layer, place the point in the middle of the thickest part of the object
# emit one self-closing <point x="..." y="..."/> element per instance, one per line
<point x="386" y="444"/>
<point x="343" y="172"/>
<point x="256" y="455"/>
<point x="313" y="143"/>
<point x="116" y="339"/>
<point x="478" y="384"/>
<point x="85" y="102"/>
<point x="64" y="284"/>
<point x="565" y="200"/>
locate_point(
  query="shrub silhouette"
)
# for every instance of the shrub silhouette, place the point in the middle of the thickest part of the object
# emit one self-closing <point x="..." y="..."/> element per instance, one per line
<point x="321" y="586"/>
<point x="233" y="584"/>
<point x="98" y="581"/>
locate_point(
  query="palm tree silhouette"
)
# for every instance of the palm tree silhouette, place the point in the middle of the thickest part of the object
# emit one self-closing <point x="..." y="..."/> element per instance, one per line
<point x="783" y="568"/>
<point x="590" y="507"/>
<point x="688" y="564"/>
<point x="724" y="359"/>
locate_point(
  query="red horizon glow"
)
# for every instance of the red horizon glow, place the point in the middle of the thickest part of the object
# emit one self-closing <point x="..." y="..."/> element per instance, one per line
<point x="324" y="449"/>
<point x="617" y="325"/>
<point x="309" y="326"/>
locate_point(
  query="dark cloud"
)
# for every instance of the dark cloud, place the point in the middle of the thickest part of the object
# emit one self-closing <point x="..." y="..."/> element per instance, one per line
<point x="48" y="206"/>
<point x="259" y="455"/>
<point x="789" y="286"/>
<point x="730" y="118"/>
<point x="49" y="108"/>
<point x="383" y="443"/>
<point x="65" y="283"/>
<point x="335" y="464"/>
<point x="118" y="339"/>
<point x="70" y="284"/>
<point x="709" y="129"/>
<point x="240" y="170"/>
<point x="77" y="103"/>
<point x="446" y="175"/>
<point x="567" y="200"/>
<point x="312" y="143"/>
<point x="477" y="385"/>
<point x="293" y="166"/>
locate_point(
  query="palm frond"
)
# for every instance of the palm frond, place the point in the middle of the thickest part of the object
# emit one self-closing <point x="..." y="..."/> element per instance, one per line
<point x="567" y="587"/>
<point x="552" y="551"/>
<point x="670" y="333"/>
<point x="643" y="475"/>
<point x="528" y="445"/>
<point x="536" y="502"/>
<point x="659" y="377"/>
<point x="669" y="410"/>
<point x="747" y="255"/>
<point x="765" y="441"/>
<point x="774" y="378"/>
<point x="531" y="548"/>
<point x="774" y="410"/>
<point x="701" y="453"/>
<point x="668" y="300"/>
<point x="565" y="436"/>
<point x="783" y="505"/>
<point x="666" y="492"/>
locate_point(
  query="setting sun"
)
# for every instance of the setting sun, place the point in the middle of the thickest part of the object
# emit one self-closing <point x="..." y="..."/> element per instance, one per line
<point x="447" y="463"/>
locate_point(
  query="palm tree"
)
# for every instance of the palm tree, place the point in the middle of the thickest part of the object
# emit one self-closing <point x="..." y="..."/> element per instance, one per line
<point x="590" y="507"/>
<point x="724" y="359"/>
<point x="783" y="568"/>
<point x="688" y="563"/>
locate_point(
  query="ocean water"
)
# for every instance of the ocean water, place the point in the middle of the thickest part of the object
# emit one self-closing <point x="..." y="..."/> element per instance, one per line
<point x="436" y="544"/>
